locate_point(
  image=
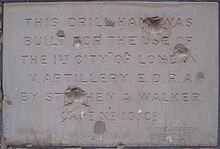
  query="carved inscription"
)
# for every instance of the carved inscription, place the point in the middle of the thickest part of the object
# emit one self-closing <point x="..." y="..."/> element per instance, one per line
<point x="148" y="46"/>
<point x="117" y="75"/>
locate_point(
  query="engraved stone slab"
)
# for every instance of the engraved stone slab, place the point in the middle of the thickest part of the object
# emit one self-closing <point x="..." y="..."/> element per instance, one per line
<point x="109" y="74"/>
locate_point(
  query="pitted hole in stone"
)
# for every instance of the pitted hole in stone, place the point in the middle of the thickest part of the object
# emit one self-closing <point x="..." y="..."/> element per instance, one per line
<point x="200" y="75"/>
<point x="169" y="139"/>
<point x="139" y="111"/>
<point x="99" y="127"/>
<point x="9" y="102"/>
<point x="109" y="23"/>
<point x="61" y="34"/>
<point x="77" y="42"/>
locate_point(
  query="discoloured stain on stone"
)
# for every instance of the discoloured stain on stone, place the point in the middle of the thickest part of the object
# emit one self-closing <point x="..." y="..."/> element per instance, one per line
<point x="99" y="127"/>
<point x="181" y="52"/>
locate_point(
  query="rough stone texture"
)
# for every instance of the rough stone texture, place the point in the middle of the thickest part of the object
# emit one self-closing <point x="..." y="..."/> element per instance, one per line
<point x="0" y="72"/>
<point x="47" y="120"/>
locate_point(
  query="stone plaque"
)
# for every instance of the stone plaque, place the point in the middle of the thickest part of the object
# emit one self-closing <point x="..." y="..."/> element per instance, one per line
<point x="110" y="73"/>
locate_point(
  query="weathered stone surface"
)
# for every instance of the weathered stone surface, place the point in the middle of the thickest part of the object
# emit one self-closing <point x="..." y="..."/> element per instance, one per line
<point x="111" y="74"/>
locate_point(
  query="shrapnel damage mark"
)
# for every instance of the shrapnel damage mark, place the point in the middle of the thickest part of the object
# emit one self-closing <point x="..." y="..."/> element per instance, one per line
<point x="153" y="23"/>
<point x="61" y="34"/>
<point x="181" y="52"/>
<point x="169" y="139"/>
<point x="75" y="102"/>
<point x="74" y="92"/>
<point x="99" y="127"/>
<point x="121" y="146"/>
<point x="9" y="102"/>
<point x="155" y="26"/>
<point x="77" y="42"/>
<point x="109" y="23"/>
<point x="200" y="75"/>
